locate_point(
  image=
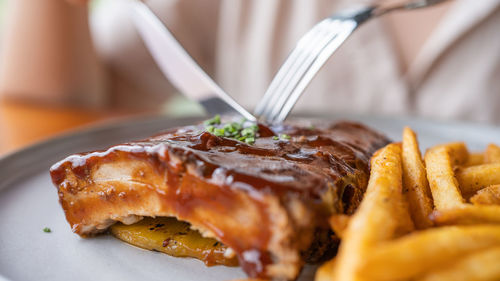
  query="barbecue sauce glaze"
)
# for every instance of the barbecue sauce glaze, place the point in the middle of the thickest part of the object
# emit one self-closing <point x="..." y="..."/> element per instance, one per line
<point x="300" y="167"/>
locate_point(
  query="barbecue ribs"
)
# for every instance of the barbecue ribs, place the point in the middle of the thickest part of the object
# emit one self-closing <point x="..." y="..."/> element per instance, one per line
<point x="266" y="200"/>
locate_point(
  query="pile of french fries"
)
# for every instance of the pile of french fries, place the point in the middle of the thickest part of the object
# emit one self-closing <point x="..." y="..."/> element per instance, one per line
<point x="436" y="218"/>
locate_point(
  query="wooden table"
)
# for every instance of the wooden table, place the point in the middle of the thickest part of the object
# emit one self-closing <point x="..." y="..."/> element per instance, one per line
<point x="24" y="124"/>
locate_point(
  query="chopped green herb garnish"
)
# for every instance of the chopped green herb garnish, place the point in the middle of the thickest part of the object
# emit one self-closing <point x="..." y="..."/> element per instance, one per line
<point x="282" y="137"/>
<point x="210" y="129"/>
<point x="219" y="132"/>
<point x="213" y="121"/>
<point x="248" y="132"/>
<point x="233" y="130"/>
<point x="46" y="229"/>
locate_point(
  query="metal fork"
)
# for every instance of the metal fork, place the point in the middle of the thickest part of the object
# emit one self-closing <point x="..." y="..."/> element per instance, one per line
<point x="313" y="50"/>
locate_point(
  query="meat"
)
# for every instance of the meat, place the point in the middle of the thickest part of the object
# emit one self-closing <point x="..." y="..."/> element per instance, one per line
<point x="266" y="200"/>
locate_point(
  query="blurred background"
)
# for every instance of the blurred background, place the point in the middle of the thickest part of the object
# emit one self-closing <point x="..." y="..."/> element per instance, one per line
<point x="71" y="63"/>
<point x="27" y="120"/>
<point x="23" y="122"/>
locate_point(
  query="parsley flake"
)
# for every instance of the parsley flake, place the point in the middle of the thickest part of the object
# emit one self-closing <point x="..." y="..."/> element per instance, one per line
<point x="213" y="121"/>
<point x="282" y="137"/>
<point x="46" y="229"/>
<point x="241" y="131"/>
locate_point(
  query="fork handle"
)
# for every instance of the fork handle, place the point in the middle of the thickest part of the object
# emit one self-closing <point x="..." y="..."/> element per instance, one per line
<point x="383" y="8"/>
<point x="359" y="15"/>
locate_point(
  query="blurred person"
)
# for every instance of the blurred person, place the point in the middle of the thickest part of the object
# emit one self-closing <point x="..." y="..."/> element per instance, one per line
<point x="439" y="62"/>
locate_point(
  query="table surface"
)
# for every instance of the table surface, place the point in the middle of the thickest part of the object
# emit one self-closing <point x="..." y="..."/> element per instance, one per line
<point x="24" y="124"/>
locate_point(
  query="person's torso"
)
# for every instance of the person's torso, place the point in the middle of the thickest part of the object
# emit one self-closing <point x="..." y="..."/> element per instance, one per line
<point x="241" y="44"/>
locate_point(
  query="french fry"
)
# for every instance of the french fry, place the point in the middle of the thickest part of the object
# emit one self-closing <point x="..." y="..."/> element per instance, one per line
<point x="467" y="214"/>
<point x="325" y="271"/>
<point x="374" y="221"/>
<point x="405" y="223"/>
<point x="475" y="159"/>
<point x="339" y="223"/>
<point x="442" y="181"/>
<point x="415" y="181"/>
<point x="480" y="266"/>
<point x="471" y="179"/>
<point x="492" y="154"/>
<point x="487" y="196"/>
<point x="402" y="188"/>
<point x="459" y="154"/>
<point x="419" y="252"/>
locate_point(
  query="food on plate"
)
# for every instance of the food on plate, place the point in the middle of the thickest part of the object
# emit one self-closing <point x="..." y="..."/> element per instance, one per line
<point x="271" y="198"/>
<point x="415" y="181"/>
<point x="385" y="248"/>
<point x="492" y="154"/>
<point x="447" y="187"/>
<point x="439" y="161"/>
<point x="482" y="265"/>
<point x="459" y="154"/>
<point x="475" y="159"/>
<point x="376" y="219"/>
<point x="487" y="196"/>
<point x="176" y="238"/>
<point x="420" y="252"/>
<point x="474" y="178"/>
<point x="467" y="214"/>
<point x="265" y="193"/>
<point x="339" y="223"/>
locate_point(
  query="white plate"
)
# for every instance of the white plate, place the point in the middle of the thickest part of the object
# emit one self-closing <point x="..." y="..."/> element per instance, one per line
<point x="28" y="203"/>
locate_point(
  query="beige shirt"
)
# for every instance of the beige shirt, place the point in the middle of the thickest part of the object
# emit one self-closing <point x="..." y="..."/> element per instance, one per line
<point x="241" y="44"/>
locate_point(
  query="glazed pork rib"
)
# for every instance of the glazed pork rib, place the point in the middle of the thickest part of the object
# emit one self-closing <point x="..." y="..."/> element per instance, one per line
<point x="264" y="200"/>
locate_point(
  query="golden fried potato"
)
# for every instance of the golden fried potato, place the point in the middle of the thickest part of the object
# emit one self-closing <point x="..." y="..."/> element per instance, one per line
<point x="487" y="196"/>
<point x="442" y="181"/>
<point x="415" y="181"/>
<point x="467" y="214"/>
<point x="325" y="271"/>
<point x="459" y="154"/>
<point x="374" y="246"/>
<point x="479" y="266"/>
<point x="405" y="224"/>
<point x="471" y="179"/>
<point x="339" y="223"/>
<point x="492" y="154"/>
<point x="475" y="159"/>
<point x="374" y="221"/>
<point x="419" y="252"/>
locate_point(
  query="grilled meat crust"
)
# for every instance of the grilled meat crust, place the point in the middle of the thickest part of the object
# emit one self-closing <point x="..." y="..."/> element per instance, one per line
<point x="266" y="200"/>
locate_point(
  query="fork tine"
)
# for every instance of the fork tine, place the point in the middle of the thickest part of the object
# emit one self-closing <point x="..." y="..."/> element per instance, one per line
<point x="300" y="54"/>
<point x="311" y="51"/>
<point x="293" y="72"/>
<point x="325" y="53"/>
<point x="306" y="59"/>
<point x="282" y="74"/>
